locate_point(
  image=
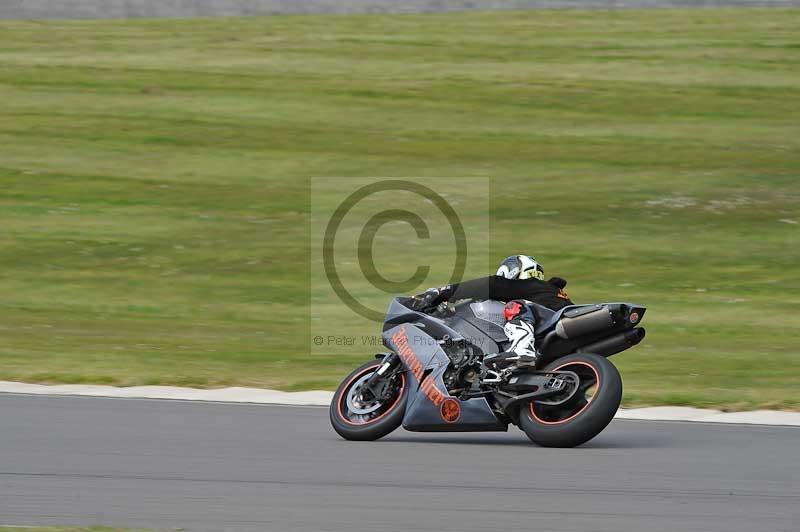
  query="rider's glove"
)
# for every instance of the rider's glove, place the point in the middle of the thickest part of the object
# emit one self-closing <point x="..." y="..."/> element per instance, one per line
<point x="558" y="282"/>
<point x="431" y="297"/>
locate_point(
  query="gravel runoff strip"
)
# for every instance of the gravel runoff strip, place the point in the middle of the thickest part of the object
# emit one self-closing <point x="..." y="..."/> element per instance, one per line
<point x="111" y="9"/>
<point x="322" y="398"/>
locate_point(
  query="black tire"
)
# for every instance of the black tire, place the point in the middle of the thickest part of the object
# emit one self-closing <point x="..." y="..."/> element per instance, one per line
<point x="371" y="426"/>
<point x="580" y="419"/>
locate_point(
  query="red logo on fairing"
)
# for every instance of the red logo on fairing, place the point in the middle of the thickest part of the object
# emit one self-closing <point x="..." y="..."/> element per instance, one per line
<point x="450" y="410"/>
<point x="400" y="340"/>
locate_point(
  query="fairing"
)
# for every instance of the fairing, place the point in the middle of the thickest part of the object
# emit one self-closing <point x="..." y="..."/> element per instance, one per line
<point x="430" y="407"/>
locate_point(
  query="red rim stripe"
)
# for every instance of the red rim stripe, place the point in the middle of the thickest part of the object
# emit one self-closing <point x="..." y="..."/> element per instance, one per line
<point x="347" y="388"/>
<point x="589" y="402"/>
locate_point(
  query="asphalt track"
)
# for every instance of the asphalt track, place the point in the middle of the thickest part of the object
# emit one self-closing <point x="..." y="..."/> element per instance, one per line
<point x="218" y="467"/>
<point x="99" y="9"/>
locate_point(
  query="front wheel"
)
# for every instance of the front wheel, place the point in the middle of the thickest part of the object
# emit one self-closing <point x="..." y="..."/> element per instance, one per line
<point x="359" y="416"/>
<point x="585" y="414"/>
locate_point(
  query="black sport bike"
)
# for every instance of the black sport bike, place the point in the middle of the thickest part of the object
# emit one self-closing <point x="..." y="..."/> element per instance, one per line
<point x="434" y="378"/>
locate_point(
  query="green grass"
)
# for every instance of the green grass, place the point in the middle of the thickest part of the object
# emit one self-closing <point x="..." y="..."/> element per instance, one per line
<point x="154" y="183"/>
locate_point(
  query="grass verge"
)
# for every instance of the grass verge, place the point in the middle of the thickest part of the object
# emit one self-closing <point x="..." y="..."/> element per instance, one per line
<point x="154" y="183"/>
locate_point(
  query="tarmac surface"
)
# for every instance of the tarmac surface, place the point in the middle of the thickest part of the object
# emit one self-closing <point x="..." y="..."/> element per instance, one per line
<point x="217" y="467"/>
<point x="101" y="9"/>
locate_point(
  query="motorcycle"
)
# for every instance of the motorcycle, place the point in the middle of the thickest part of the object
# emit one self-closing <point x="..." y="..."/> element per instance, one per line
<point x="434" y="378"/>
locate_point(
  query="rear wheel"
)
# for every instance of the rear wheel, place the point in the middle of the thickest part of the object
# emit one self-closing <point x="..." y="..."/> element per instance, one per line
<point x="585" y="414"/>
<point x="356" y="415"/>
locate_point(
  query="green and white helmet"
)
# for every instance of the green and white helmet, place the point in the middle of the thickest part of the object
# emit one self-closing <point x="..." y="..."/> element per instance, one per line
<point x="520" y="267"/>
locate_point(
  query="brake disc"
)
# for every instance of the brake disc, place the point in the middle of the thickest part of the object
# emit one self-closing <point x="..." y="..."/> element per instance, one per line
<point x="572" y="384"/>
<point x="356" y="403"/>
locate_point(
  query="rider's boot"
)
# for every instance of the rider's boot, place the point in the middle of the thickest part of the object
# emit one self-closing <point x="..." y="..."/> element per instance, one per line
<point x="520" y="332"/>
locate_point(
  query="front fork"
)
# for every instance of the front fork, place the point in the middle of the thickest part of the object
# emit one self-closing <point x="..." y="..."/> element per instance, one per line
<point x="377" y="385"/>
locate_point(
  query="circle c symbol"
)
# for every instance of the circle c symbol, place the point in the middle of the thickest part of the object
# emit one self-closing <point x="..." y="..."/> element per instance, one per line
<point x="367" y="237"/>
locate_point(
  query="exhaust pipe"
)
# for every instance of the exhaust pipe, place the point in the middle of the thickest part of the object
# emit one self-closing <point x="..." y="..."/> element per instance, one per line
<point x="584" y="322"/>
<point x="614" y="344"/>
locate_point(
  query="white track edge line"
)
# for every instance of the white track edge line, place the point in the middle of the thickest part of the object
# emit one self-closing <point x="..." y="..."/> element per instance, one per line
<point x="323" y="398"/>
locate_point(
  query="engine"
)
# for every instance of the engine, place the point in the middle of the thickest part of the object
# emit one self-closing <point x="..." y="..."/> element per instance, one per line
<point x="465" y="366"/>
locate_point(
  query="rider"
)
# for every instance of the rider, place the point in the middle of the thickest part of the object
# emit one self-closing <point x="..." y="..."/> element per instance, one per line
<point x="520" y="278"/>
